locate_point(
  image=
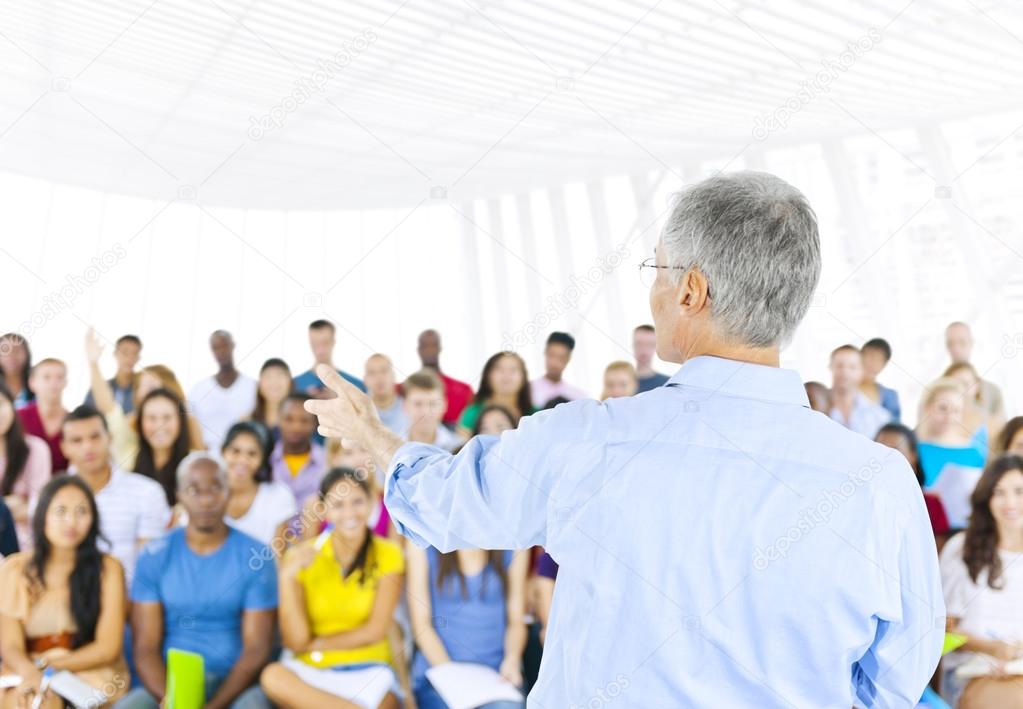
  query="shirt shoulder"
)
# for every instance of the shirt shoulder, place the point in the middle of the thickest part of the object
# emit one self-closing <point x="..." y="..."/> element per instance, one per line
<point x="158" y="551"/>
<point x="245" y="546"/>
<point x="389" y="556"/>
<point x="138" y="484"/>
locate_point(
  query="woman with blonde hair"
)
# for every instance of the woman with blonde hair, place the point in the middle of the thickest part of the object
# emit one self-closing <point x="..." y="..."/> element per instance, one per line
<point x="620" y="379"/>
<point x="124" y="435"/>
<point x="952" y="458"/>
<point x="975" y="416"/>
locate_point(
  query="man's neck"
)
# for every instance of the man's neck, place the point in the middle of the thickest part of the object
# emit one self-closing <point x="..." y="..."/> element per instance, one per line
<point x="298" y="447"/>
<point x="554" y="379"/>
<point x="423" y="433"/>
<point x="843" y="398"/>
<point x="203" y="542"/>
<point x="124" y="379"/>
<point x="716" y="347"/>
<point x="49" y="407"/>
<point x="385" y="400"/>
<point x="97" y="479"/>
<point x="644" y="370"/>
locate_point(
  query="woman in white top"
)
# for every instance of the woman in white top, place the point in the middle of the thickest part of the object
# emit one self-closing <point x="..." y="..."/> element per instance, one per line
<point x="256" y="505"/>
<point x="982" y="576"/>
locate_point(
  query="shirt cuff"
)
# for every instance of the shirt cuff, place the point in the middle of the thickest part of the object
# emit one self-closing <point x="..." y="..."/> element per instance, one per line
<point x="402" y="470"/>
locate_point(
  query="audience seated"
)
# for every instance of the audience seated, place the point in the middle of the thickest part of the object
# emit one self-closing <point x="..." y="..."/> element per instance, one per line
<point x="43" y="416"/>
<point x="338" y="595"/>
<point x="975" y="417"/>
<point x="457" y="393"/>
<point x="382" y="387"/>
<point x="982" y="581"/>
<point x="256" y="505"/>
<point x="424" y="407"/>
<point x="1010" y="439"/>
<point x="206" y="588"/>
<point x="8" y="532"/>
<point x="212" y="585"/>
<point x="127" y="351"/>
<point x="901" y="438"/>
<point x="16" y="366"/>
<point x="876" y="354"/>
<point x="504" y="381"/>
<point x="644" y="346"/>
<point x="273" y="387"/>
<point x="123" y="427"/>
<point x="297" y="460"/>
<point x="848" y="404"/>
<point x="133" y="509"/>
<point x="481" y="597"/>
<point x="354" y="456"/>
<point x="556" y="354"/>
<point x="951" y="458"/>
<point x="494" y="420"/>
<point x="959" y="343"/>
<point x="227" y="396"/>
<point x="163" y="439"/>
<point x="24" y="466"/>
<point x="819" y="397"/>
<point x="62" y="605"/>
<point x="619" y="380"/>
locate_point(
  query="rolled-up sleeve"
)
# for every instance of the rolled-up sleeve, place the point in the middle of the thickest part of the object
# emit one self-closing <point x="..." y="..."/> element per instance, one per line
<point x="496" y="493"/>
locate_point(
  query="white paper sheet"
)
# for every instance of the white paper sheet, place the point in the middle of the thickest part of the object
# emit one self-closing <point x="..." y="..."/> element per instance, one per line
<point x="464" y="685"/>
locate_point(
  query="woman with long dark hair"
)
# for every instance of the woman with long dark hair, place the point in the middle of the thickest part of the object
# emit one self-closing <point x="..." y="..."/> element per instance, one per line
<point x="504" y="381"/>
<point x="16" y="367"/>
<point x="481" y="595"/>
<point x="982" y="578"/>
<point x="163" y="439"/>
<point x="256" y="505"/>
<point x="24" y="467"/>
<point x="338" y="593"/>
<point x="275" y="383"/>
<point x="63" y="604"/>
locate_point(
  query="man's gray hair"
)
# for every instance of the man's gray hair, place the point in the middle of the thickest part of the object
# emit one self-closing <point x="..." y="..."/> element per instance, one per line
<point x="754" y="237"/>
<point x="191" y="459"/>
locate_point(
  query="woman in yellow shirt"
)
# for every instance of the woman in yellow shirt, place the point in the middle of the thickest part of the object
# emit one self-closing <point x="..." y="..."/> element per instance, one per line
<point x="338" y="593"/>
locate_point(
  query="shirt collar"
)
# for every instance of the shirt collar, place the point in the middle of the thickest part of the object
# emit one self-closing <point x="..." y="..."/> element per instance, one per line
<point x="744" y="380"/>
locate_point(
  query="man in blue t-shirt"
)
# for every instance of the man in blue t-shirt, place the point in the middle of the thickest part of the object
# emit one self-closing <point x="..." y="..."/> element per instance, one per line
<point x="322" y="338"/>
<point x="205" y="588"/>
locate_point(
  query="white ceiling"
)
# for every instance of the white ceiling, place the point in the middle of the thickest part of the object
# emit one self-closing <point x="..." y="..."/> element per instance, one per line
<point x="474" y="97"/>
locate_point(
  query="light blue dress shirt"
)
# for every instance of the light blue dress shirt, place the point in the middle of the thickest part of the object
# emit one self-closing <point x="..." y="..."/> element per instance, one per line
<point x="720" y="545"/>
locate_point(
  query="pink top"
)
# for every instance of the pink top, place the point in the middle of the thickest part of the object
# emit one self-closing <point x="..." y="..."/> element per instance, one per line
<point x="34" y="475"/>
<point x="543" y="390"/>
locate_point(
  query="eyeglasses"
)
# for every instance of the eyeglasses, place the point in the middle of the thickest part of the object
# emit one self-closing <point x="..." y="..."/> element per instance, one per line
<point x="648" y="271"/>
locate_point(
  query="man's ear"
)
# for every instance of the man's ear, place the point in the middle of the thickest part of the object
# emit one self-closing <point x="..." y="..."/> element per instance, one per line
<point x="692" y="291"/>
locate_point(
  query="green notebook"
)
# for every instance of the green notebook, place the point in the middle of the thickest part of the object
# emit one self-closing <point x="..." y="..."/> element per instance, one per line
<point x="186" y="680"/>
<point x="953" y="641"/>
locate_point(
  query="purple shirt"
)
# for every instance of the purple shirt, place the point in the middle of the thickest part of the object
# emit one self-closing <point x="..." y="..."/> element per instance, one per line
<point x="307" y="483"/>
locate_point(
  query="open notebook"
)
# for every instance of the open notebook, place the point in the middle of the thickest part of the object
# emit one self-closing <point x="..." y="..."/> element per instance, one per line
<point x="464" y="685"/>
